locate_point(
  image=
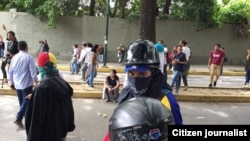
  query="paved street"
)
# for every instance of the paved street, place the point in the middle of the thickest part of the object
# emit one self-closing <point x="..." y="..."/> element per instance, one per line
<point x="91" y="127"/>
<point x="193" y="80"/>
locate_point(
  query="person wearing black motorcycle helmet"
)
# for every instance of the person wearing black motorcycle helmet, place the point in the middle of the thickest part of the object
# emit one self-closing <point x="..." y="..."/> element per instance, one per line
<point x="140" y="119"/>
<point x="145" y="78"/>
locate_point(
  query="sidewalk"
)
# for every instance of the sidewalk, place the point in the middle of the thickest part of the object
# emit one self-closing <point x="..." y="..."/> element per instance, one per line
<point x="194" y="69"/>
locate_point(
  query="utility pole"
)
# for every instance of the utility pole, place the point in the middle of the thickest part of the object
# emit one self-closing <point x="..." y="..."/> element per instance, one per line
<point x="106" y="34"/>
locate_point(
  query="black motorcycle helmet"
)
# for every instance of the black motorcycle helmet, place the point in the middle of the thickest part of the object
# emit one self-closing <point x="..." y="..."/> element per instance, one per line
<point x="142" y="53"/>
<point x="140" y="119"/>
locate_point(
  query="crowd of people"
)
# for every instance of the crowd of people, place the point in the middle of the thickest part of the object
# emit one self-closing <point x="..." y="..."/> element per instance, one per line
<point x="47" y="105"/>
<point x="85" y="59"/>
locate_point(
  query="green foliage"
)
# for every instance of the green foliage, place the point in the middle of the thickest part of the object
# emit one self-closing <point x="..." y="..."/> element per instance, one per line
<point x="48" y="9"/>
<point x="238" y="14"/>
<point x="205" y="13"/>
<point x="134" y="11"/>
<point x="3" y="5"/>
<point x="225" y="2"/>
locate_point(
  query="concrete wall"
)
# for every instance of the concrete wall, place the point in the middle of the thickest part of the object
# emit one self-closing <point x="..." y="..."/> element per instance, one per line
<point x="75" y="30"/>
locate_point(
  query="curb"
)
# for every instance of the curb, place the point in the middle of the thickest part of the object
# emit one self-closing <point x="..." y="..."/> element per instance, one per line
<point x="180" y="97"/>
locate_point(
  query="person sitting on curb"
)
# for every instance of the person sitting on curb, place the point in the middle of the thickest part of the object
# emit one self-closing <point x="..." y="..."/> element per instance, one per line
<point x="111" y="86"/>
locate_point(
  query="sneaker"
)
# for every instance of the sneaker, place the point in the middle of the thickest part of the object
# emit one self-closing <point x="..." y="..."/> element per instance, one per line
<point x="246" y="85"/>
<point x="114" y="101"/>
<point x="87" y="82"/>
<point x="19" y="123"/>
<point x="185" y="88"/>
<point x="5" y="80"/>
<point x="210" y="85"/>
<point x="214" y="83"/>
<point x="106" y="100"/>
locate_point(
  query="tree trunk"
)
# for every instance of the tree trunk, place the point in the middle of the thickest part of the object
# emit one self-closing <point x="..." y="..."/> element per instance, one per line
<point x="148" y="20"/>
<point x="166" y="7"/>
<point x="122" y="4"/>
<point x="92" y="8"/>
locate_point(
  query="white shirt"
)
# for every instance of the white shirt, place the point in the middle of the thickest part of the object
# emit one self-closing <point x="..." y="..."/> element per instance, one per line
<point x="22" y="71"/>
<point x="165" y="53"/>
<point x="85" y="53"/>
<point x="187" y="52"/>
<point x="162" y="61"/>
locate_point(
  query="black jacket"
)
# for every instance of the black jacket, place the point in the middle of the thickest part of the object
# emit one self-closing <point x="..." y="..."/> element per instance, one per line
<point x="50" y="113"/>
<point x="13" y="47"/>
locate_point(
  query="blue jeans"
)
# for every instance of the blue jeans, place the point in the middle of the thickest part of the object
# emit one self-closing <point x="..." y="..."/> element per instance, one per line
<point x="119" y="56"/>
<point x="23" y="102"/>
<point x="165" y="71"/>
<point x="175" y="80"/>
<point x="100" y="58"/>
<point x="1" y="53"/>
<point x="247" y="76"/>
<point x="91" y="74"/>
<point x="74" y="66"/>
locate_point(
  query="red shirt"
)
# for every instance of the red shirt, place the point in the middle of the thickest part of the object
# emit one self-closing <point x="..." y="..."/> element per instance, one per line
<point x="216" y="56"/>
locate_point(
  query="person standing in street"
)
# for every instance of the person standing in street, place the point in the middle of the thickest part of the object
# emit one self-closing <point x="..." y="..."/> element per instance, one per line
<point x="160" y="50"/>
<point x="215" y="61"/>
<point x="100" y="53"/>
<point x="10" y="49"/>
<point x="50" y="113"/>
<point x="184" y="74"/>
<point x="179" y="63"/>
<point x="44" y="46"/>
<point x="247" y="69"/>
<point x="23" y="77"/>
<point x="85" y="59"/>
<point x="92" y="66"/>
<point x="164" y="61"/>
<point x="1" y="47"/>
<point x="75" y="57"/>
<point x="120" y="52"/>
<point x="171" y="56"/>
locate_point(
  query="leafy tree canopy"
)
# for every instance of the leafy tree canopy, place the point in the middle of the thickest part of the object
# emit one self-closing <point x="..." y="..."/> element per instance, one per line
<point x="46" y="8"/>
<point x="206" y="13"/>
